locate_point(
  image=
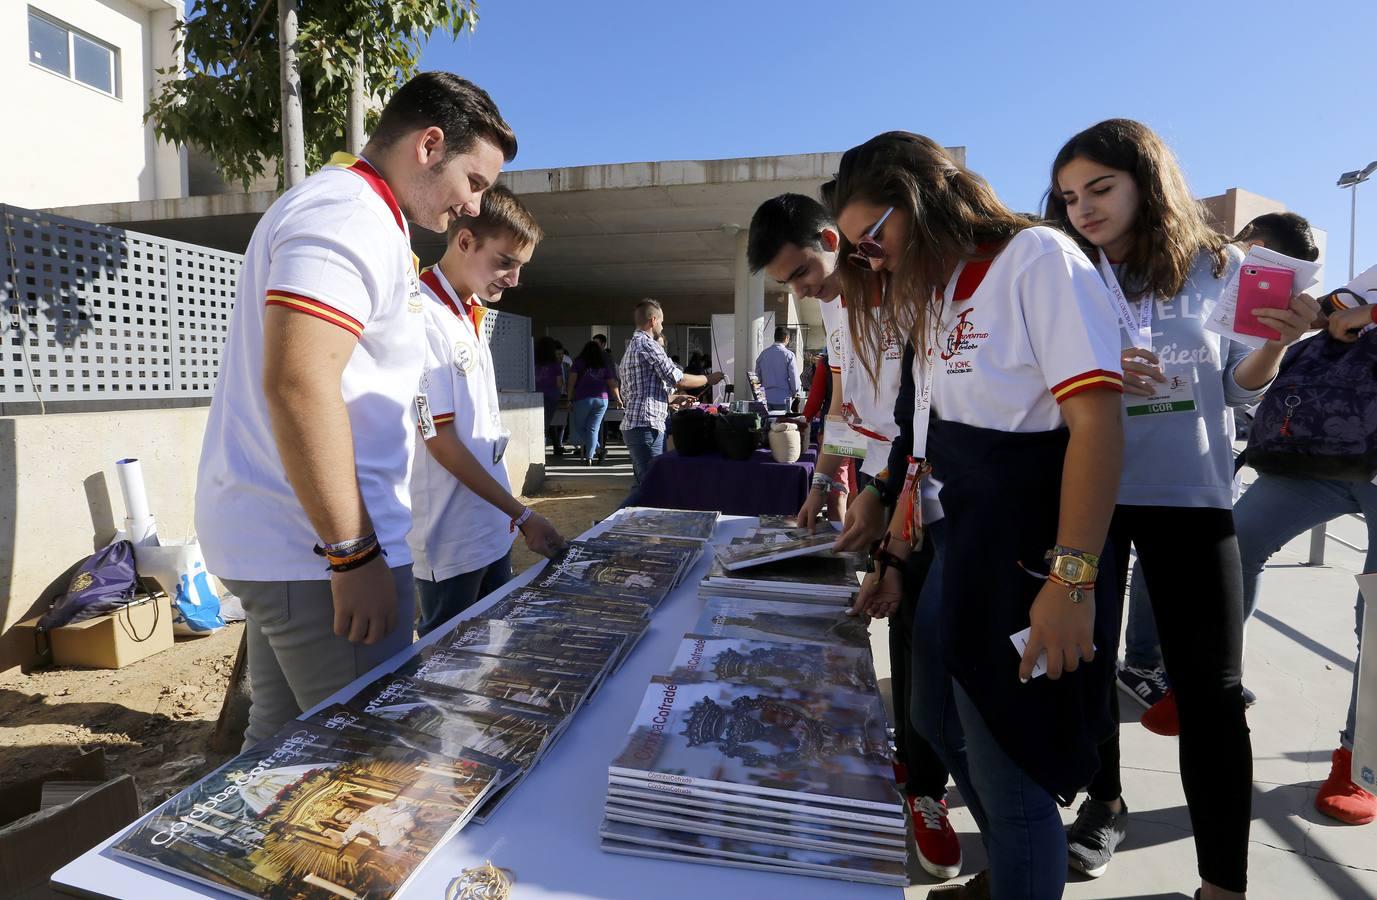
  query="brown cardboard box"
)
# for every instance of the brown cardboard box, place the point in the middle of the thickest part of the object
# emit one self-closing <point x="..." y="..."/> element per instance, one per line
<point x="113" y="641"/>
<point x="31" y="853"/>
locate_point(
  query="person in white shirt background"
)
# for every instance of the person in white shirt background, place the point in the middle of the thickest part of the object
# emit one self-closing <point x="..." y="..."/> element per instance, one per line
<point x="302" y="504"/>
<point x="464" y="514"/>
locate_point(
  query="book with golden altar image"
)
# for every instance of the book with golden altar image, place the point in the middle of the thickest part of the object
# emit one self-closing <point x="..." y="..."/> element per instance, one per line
<point x="779" y="664"/>
<point x="613" y="573"/>
<point x="312" y="814"/>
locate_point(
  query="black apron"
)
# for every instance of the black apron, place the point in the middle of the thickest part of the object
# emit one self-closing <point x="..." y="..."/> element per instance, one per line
<point x="1000" y="493"/>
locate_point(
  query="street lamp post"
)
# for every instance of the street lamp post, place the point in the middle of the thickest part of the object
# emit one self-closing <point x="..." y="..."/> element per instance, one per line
<point x="1349" y="180"/>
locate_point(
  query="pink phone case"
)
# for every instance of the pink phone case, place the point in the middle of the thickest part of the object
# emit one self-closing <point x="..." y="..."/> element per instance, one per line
<point x="1261" y="287"/>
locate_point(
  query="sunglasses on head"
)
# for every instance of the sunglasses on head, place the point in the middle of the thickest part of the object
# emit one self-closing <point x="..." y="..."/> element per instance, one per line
<point x="867" y="248"/>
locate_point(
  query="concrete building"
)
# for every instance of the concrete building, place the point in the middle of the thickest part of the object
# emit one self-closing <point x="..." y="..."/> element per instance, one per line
<point x="1231" y="210"/>
<point x="78" y="76"/>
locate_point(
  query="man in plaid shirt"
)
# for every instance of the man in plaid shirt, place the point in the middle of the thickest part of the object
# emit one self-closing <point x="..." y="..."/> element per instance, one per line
<point x="648" y="375"/>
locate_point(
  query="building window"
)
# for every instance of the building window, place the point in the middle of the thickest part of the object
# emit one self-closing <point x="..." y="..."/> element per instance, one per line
<point x="71" y="54"/>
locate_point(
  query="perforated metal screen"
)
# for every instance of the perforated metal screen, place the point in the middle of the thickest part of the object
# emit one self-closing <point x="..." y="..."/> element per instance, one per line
<point x="93" y="312"/>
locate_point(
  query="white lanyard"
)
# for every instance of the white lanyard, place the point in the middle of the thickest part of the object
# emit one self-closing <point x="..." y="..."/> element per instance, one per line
<point x="1143" y="321"/>
<point x="922" y="409"/>
<point x="484" y="355"/>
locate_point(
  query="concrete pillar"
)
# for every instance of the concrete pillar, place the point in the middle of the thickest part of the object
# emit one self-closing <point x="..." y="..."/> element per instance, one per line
<point x="169" y="160"/>
<point x="750" y="318"/>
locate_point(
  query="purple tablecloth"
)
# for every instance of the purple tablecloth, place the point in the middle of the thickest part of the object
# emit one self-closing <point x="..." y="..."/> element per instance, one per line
<point x="759" y="486"/>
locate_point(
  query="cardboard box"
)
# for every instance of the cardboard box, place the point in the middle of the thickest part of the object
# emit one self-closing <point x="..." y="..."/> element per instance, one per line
<point x="113" y="641"/>
<point x="1365" y="728"/>
<point x="31" y="853"/>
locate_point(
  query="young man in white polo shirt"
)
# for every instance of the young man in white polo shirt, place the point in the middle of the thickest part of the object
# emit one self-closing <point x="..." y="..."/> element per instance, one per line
<point x="464" y="514"/>
<point x="302" y="501"/>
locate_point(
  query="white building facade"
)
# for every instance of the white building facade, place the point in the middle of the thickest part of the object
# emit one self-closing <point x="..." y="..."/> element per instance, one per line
<point x="78" y="77"/>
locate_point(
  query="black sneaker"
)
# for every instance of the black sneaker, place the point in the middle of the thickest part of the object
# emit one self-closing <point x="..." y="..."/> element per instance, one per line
<point x="1147" y="686"/>
<point x="1093" y="837"/>
<point x="978" y="888"/>
<point x="1249" y="698"/>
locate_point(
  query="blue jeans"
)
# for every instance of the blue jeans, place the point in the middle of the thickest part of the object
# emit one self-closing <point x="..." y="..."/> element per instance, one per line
<point x="1276" y="510"/>
<point x="443" y="600"/>
<point x="644" y="444"/>
<point x="1142" y="650"/>
<point x="932" y="708"/>
<point x="1023" y="836"/>
<point x="585" y="422"/>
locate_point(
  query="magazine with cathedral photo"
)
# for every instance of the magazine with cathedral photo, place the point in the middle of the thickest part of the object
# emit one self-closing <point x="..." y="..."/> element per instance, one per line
<point x="665" y="522"/>
<point x="780" y="620"/>
<point x="312" y="814"/>
<point x="502" y="679"/>
<point x="773" y="664"/>
<point x="551" y="647"/>
<point x="515" y="611"/>
<point x="825" y="579"/>
<point x="536" y="598"/>
<point x="653" y="553"/>
<point x="665" y="843"/>
<point x="613" y="574"/>
<point x="828" y="744"/>
<point x="734" y="557"/>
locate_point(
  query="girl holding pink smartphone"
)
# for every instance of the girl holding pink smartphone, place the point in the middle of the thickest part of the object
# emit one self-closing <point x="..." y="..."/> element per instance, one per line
<point x="1118" y="190"/>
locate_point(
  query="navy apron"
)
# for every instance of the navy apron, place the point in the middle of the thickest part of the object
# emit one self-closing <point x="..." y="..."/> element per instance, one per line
<point x="1001" y="492"/>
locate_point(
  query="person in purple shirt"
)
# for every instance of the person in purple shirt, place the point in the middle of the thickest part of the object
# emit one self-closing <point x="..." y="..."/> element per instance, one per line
<point x="590" y="382"/>
<point x="549" y="377"/>
<point x="778" y="371"/>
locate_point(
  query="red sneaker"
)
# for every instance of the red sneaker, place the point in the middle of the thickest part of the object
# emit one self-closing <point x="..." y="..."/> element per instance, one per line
<point x="939" y="851"/>
<point x="1162" y="717"/>
<point x="1340" y="798"/>
<point x="900" y="773"/>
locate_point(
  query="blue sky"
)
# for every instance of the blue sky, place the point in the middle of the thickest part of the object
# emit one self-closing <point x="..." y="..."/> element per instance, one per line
<point x="1278" y="98"/>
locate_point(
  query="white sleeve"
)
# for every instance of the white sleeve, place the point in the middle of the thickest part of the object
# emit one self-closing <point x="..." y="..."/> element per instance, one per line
<point x="1071" y="324"/>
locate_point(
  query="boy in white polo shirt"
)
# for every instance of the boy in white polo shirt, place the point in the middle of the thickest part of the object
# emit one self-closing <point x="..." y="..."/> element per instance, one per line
<point x="302" y="505"/>
<point x="464" y="514"/>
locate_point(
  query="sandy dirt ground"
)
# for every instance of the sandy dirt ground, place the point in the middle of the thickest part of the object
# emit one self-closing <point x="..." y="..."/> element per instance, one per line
<point x="154" y="718"/>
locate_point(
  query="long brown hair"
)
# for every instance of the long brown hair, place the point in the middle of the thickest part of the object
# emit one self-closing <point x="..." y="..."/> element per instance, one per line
<point x="1170" y="231"/>
<point x="951" y="211"/>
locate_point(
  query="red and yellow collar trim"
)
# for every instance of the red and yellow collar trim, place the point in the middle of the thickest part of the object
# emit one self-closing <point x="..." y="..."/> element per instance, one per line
<point x="364" y="169"/>
<point x="470" y="308"/>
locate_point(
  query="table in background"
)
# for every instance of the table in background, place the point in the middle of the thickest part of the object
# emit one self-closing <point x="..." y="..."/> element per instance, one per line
<point x="755" y="487"/>
<point x="547" y="831"/>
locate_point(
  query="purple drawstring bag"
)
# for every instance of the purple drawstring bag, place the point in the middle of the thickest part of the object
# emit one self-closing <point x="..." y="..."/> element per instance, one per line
<point x="105" y="582"/>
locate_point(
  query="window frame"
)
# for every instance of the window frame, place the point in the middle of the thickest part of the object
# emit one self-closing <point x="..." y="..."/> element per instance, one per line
<point x="116" y="92"/>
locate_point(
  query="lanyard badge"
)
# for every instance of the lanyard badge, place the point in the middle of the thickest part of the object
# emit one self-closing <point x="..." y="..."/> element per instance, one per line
<point x="1139" y="327"/>
<point x="910" y="503"/>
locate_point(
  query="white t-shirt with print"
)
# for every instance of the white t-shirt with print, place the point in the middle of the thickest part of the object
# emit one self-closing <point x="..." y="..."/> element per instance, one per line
<point x="1018" y="335"/>
<point x="455" y="531"/>
<point x="335" y="247"/>
<point x="868" y="410"/>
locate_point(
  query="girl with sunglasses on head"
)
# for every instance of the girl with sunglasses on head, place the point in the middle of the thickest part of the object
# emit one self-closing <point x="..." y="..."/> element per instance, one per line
<point x="1118" y="190"/>
<point x="1016" y="406"/>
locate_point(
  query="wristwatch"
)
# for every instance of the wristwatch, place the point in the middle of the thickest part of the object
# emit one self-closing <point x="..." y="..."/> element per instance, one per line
<point x="1073" y="566"/>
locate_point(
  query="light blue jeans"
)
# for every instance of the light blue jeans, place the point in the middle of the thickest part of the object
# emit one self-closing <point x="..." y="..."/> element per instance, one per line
<point x="585" y="423"/>
<point x="1271" y="513"/>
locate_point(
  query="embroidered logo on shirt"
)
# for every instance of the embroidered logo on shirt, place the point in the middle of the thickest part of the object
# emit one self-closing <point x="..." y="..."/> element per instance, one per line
<point x="465" y="357"/>
<point x="413" y="292"/>
<point x="963" y="336"/>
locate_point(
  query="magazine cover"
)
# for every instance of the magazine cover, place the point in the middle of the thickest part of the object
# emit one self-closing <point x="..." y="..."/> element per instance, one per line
<point x="780" y="620"/>
<point x="741" y="814"/>
<point x="693" y="847"/>
<point x="666" y="522"/>
<point x="807" y="579"/>
<point x="311" y="814"/>
<point x="551" y="647"/>
<point x="824" y="744"/>
<point x="502" y="679"/>
<point x="893" y="820"/>
<point x="616" y="575"/>
<point x="773" y="664"/>
<point x="735" y="557"/>
<point x="759" y="831"/>
<point x="630" y="628"/>
<point x="535" y="597"/>
<point x="652" y="552"/>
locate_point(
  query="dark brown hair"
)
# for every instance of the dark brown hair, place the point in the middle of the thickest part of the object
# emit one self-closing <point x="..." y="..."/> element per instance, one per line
<point x="951" y="210"/>
<point x="500" y="212"/>
<point x="457" y="106"/>
<point x="1171" y="229"/>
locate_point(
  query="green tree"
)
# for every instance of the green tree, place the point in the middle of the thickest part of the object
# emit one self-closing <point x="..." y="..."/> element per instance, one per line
<point x="228" y="102"/>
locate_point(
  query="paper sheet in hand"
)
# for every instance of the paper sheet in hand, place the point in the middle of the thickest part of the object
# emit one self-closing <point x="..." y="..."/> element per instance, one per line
<point x="1020" y="642"/>
<point x="1365" y="727"/>
<point x="1221" y="320"/>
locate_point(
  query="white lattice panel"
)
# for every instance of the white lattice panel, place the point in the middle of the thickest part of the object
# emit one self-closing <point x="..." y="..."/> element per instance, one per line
<point x="510" y="338"/>
<point x="203" y="283"/>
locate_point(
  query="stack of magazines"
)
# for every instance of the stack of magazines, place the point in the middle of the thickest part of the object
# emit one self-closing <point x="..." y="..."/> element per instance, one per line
<point x="814" y="576"/>
<point x="349" y="802"/>
<point x="757" y="774"/>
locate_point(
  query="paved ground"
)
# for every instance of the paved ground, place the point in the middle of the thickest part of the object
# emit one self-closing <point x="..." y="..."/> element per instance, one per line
<point x="1300" y="657"/>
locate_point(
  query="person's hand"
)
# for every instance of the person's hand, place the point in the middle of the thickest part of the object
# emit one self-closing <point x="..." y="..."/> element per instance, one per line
<point x="542" y="537"/>
<point x="880" y="595"/>
<point x="808" y="513"/>
<point x="365" y="602"/>
<point x="715" y="377"/>
<point x="864" y="524"/>
<point x="1141" y="368"/>
<point x="1291" y="323"/>
<point x="1064" y="629"/>
<point x="1345" y="324"/>
<point x="681" y="401"/>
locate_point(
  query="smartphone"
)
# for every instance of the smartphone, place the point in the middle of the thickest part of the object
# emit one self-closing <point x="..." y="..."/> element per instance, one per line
<point x="1261" y="287"/>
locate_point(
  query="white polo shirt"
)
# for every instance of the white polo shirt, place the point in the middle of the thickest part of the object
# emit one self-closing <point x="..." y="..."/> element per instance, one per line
<point x="455" y="531"/>
<point x="1019" y="334"/>
<point x="335" y="247"/>
<point x="868" y="411"/>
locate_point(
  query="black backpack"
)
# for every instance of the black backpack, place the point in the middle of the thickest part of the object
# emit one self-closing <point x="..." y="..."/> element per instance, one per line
<point x="1319" y="417"/>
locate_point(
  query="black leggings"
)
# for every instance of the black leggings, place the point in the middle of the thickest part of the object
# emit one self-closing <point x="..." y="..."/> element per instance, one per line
<point x="1190" y="561"/>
